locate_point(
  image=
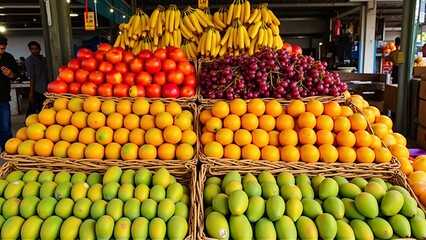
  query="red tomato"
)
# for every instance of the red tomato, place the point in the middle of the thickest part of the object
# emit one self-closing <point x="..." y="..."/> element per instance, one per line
<point x="97" y="77"/>
<point x="145" y="54"/>
<point x="143" y="78"/>
<point x="104" y="46"/>
<point x="105" y="67"/>
<point x="99" y="55"/>
<point x="89" y="88"/>
<point x="177" y="55"/>
<point x="287" y="46"/>
<point x="84" y="53"/>
<point x="187" y="91"/>
<point x="120" y="49"/>
<point x="186" y="67"/>
<point x="121" y="67"/>
<point x="153" y="90"/>
<point x="57" y="86"/>
<point x="169" y="49"/>
<point x="190" y="80"/>
<point x="129" y="78"/>
<point x="136" y="65"/>
<point x="168" y="65"/>
<point x="105" y="90"/>
<point x="81" y="75"/>
<point x="128" y="56"/>
<point x="90" y="64"/>
<point x="176" y="76"/>
<point x="67" y="75"/>
<point x="160" y="53"/>
<point x="74" y="64"/>
<point x="121" y="90"/>
<point x="63" y="67"/>
<point x="152" y="65"/>
<point x="74" y="88"/>
<point x="114" y="77"/>
<point x="137" y="91"/>
<point x="114" y="55"/>
<point x="170" y="90"/>
<point x="160" y="78"/>
<point x="296" y="49"/>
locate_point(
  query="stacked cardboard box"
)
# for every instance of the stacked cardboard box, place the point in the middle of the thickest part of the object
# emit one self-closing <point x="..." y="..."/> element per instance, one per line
<point x="421" y="130"/>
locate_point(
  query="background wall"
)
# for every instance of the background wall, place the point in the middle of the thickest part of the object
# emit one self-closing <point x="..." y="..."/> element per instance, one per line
<point x="17" y="45"/>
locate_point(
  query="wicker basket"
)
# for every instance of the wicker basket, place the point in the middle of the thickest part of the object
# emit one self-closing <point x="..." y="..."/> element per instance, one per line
<point x="396" y="177"/>
<point x="186" y="175"/>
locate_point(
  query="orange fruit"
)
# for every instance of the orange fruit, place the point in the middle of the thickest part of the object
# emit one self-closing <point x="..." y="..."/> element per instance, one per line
<point x="60" y="103"/>
<point x="242" y="137"/>
<point x="290" y="154"/>
<point x="166" y="151"/>
<point x="307" y="120"/>
<point x="115" y="120"/>
<point x="423" y="199"/>
<point x="140" y="107"/>
<point x="260" y="138"/>
<point x="389" y="140"/>
<point x="184" y="151"/>
<point x="365" y="155"/>
<point x="328" y="153"/>
<point x="315" y="106"/>
<point x="213" y="149"/>
<point x="400" y="138"/>
<point x="104" y="135"/>
<point x="121" y="136"/>
<point x="205" y="115"/>
<point x="358" y="122"/>
<point x="257" y="107"/>
<point x="365" y="103"/>
<point x="398" y="150"/>
<point x="53" y="132"/>
<point x="288" y="137"/>
<point x="383" y="155"/>
<point x="273" y="108"/>
<point x="238" y="107"/>
<point x="274" y="139"/>
<point x="307" y="136"/>
<point x="207" y="137"/>
<point x="157" y="107"/>
<point x="113" y="151"/>
<point x="172" y="134"/>
<point x="154" y="136"/>
<point x="386" y="120"/>
<point x="32" y="118"/>
<point x="309" y="153"/>
<point x="346" y="154"/>
<point x="224" y="136"/>
<point x="214" y="124"/>
<point x="341" y="124"/>
<point x="96" y="120"/>
<point x="75" y="104"/>
<point x="363" y="138"/>
<point x="131" y="121"/>
<point x="108" y="107"/>
<point x="284" y="121"/>
<point x="267" y="122"/>
<point x="76" y="150"/>
<point x="147" y="152"/>
<point x="27" y="148"/>
<point x="295" y="108"/>
<point x="183" y="121"/>
<point x="369" y="114"/>
<point x="233" y="122"/>
<point x="346" y="139"/>
<point x="47" y="116"/>
<point x="69" y="133"/>
<point x="232" y="151"/>
<point x="417" y="176"/>
<point x="79" y="119"/>
<point x="137" y="136"/>
<point x="36" y="131"/>
<point x="94" y="150"/>
<point x="60" y="149"/>
<point x="220" y="109"/>
<point x="358" y="102"/>
<point x="22" y="133"/>
<point x="63" y="117"/>
<point x="375" y="142"/>
<point x="375" y="110"/>
<point x="124" y="107"/>
<point x="270" y="153"/>
<point x="163" y="120"/>
<point x="189" y="137"/>
<point x="189" y="113"/>
<point x="249" y="121"/>
<point x="419" y="188"/>
<point x="250" y="151"/>
<point x="11" y="146"/>
<point x="324" y="122"/>
<point x="324" y="137"/>
<point x="129" y="151"/>
<point x="147" y="122"/>
<point x="92" y="104"/>
<point x="173" y="108"/>
<point x="87" y="135"/>
<point x="406" y="166"/>
<point x="346" y="111"/>
<point x="332" y="109"/>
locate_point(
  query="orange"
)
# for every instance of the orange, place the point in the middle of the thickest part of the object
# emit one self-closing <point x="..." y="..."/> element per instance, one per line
<point x="76" y="150"/>
<point x="419" y="188"/>
<point x="260" y="138"/>
<point x="104" y="135"/>
<point x="417" y="176"/>
<point x="60" y="103"/>
<point x="365" y="104"/>
<point x="53" y="132"/>
<point x="332" y="109"/>
<point x="386" y="120"/>
<point x="63" y="117"/>
<point x="11" y="146"/>
<point x="399" y="150"/>
<point x="267" y="122"/>
<point x="36" y="131"/>
<point x="341" y="124"/>
<point x="163" y="120"/>
<point x="131" y="121"/>
<point x="129" y="151"/>
<point x="383" y="155"/>
<point x="274" y="139"/>
<point x="214" y="124"/>
<point x="140" y="106"/>
<point x="249" y="121"/>
<point x="307" y="136"/>
<point x="250" y="151"/>
<point x="220" y="109"/>
<point x="375" y="142"/>
<point x="346" y="139"/>
<point x="270" y="153"/>
<point x="92" y="104"/>
<point x="137" y="136"/>
<point x="79" y="119"/>
<point x="328" y="153"/>
<point x="290" y="154"/>
<point x="224" y="136"/>
<point x="358" y="122"/>
<point x="147" y="152"/>
<point x="369" y="114"/>
<point x="324" y="137"/>
<point x="60" y="149"/>
<point x="173" y="108"/>
<point x="363" y="138"/>
<point x="347" y="94"/>
<point x="400" y="138"/>
<point x="112" y="151"/>
<point x="121" y="136"/>
<point x="166" y="151"/>
<point x="346" y="154"/>
<point x="124" y="107"/>
<point x="183" y="121"/>
<point x="184" y="151"/>
<point x="27" y="148"/>
<point x="96" y="120"/>
<point x="115" y="120"/>
<point x="172" y="134"/>
<point x="189" y="137"/>
<point x="273" y="108"/>
<point x="315" y="106"/>
<point x="87" y="135"/>
<point x="69" y="133"/>
<point x="207" y="137"/>
<point x="346" y="111"/>
<point x="284" y="121"/>
<point x="389" y="140"/>
<point x="147" y="122"/>
<point x="47" y="116"/>
<point x="242" y="137"/>
<point x="157" y="107"/>
<point x="189" y="113"/>
<point x="108" y="107"/>
<point x="309" y="153"/>
<point x="238" y="107"/>
<point x="375" y="110"/>
<point x="75" y="104"/>
<point x="213" y="149"/>
<point x="233" y="122"/>
<point x="33" y="118"/>
<point x="232" y="151"/>
<point x="257" y="107"/>
<point x="358" y="102"/>
<point x="406" y="166"/>
<point x="205" y="115"/>
<point x="307" y="120"/>
<point x="324" y="122"/>
<point x="22" y="133"/>
<point x="154" y="136"/>
<point x="94" y="151"/>
<point x="365" y="155"/>
<point x="423" y="199"/>
<point x="288" y="137"/>
<point x="295" y="108"/>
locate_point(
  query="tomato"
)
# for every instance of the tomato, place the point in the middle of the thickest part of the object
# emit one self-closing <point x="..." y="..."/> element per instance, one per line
<point x="99" y="55"/>
<point x="121" y="67"/>
<point x="89" y="88"/>
<point x="137" y="91"/>
<point x="90" y="64"/>
<point x="153" y="90"/>
<point x="160" y="78"/>
<point x="129" y="78"/>
<point x="176" y="76"/>
<point x="177" y="55"/>
<point x="287" y="46"/>
<point x="74" y="64"/>
<point x="57" y="86"/>
<point x="120" y="49"/>
<point x="145" y="54"/>
<point x="160" y="53"/>
<point x="136" y="65"/>
<point x="96" y="77"/>
<point x="128" y="57"/>
<point x="63" y="67"/>
<point x="170" y="90"/>
<point x="121" y="90"/>
<point x="186" y="67"/>
<point x="168" y="65"/>
<point x="169" y="49"/>
<point x="143" y="78"/>
<point x="114" y="77"/>
<point x="187" y="91"/>
<point x="67" y="75"/>
<point x="74" y="88"/>
<point x="296" y="49"/>
<point x="105" y="90"/>
<point x="84" y="53"/>
<point x="104" y="46"/>
<point x="190" y="80"/>
<point x="81" y="75"/>
<point x="105" y="67"/>
<point x="114" y="55"/>
<point x="152" y="65"/>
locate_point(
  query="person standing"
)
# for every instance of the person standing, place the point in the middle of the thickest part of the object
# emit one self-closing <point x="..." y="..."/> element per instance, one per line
<point x="37" y="73"/>
<point x="393" y="57"/>
<point x="8" y="72"/>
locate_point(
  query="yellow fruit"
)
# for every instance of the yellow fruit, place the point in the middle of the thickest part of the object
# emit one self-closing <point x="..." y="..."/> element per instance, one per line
<point x="172" y="134"/>
<point x="213" y="149"/>
<point x="163" y="120"/>
<point x="12" y="145"/>
<point x="124" y="107"/>
<point x="60" y="103"/>
<point x="92" y="104"/>
<point x="108" y="107"/>
<point x="33" y="118"/>
<point x="75" y="104"/>
<point x="182" y="120"/>
<point x="257" y="107"/>
<point x="220" y="109"/>
<point x="47" y="116"/>
<point x="184" y="151"/>
<point x="43" y="147"/>
<point x="53" y="132"/>
<point x="156" y="108"/>
<point x="140" y="106"/>
<point x="173" y="108"/>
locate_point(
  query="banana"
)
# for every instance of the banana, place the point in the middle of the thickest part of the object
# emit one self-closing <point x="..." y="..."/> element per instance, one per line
<point x="275" y="29"/>
<point x="194" y="19"/>
<point x="160" y="28"/>
<point x="246" y="38"/>
<point x="185" y="32"/>
<point x="121" y="26"/>
<point x="229" y="16"/>
<point x="243" y="11"/>
<point x="126" y="38"/>
<point x="202" y="45"/>
<point x="118" y="40"/>
<point x="223" y="49"/>
<point x="253" y="15"/>
<point x="260" y="37"/>
<point x="154" y="17"/>
<point x="203" y="18"/>
<point x="240" y="37"/>
<point x="166" y="37"/>
<point x="258" y="17"/>
<point x="218" y="22"/>
<point x="209" y="41"/>
<point x="236" y="39"/>
<point x="155" y="42"/>
<point x="274" y="18"/>
<point x="265" y="15"/>
<point x="255" y="29"/>
<point x="208" y="14"/>
<point x="130" y="25"/>
<point x="231" y="37"/>
<point x="177" y="18"/>
<point x="247" y="9"/>
<point x="215" y="44"/>
<point x="225" y="38"/>
<point x="237" y="10"/>
<point x="270" y="37"/>
<point x="188" y="22"/>
<point x="252" y="46"/>
<point x="168" y="12"/>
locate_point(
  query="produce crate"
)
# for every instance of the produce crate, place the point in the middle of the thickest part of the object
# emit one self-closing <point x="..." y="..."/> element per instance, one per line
<point x="395" y="177"/>
<point x="186" y="175"/>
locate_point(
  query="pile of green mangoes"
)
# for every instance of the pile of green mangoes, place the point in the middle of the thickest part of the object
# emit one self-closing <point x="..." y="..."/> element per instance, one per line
<point x="119" y="204"/>
<point x="299" y="207"/>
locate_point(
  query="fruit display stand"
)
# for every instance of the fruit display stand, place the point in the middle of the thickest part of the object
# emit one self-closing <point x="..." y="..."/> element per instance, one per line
<point x="291" y="226"/>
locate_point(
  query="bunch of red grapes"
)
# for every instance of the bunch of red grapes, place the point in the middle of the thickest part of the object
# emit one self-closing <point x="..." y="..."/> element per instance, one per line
<point x="268" y="74"/>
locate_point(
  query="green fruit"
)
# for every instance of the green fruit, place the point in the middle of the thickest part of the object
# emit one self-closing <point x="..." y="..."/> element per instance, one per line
<point x="46" y="176"/>
<point x="3" y="184"/>
<point x="375" y="189"/>
<point x="418" y="227"/>
<point x="115" y="209"/>
<point x="265" y="229"/>
<point x="87" y="230"/>
<point x="252" y="188"/>
<point x="63" y="190"/>
<point x="139" y="228"/>
<point x="14" y="176"/>
<point x="95" y="192"/>
<point x="113" y="174"/>
<point x="275" y="207"/>
<point x="31" y="189"/>
<point x="149" y="209"/>
<point x="285" y="228"/>
<point x="185" y="199"/>
<point x="79" y="190"/>
<point x="238" y="202"/>
<point x="122" y="229"/>
<point x="104" y="227"/>
<point x="94" y="178"/>
<point x="98" y="209"/>
<point x="302" y="177"/>
<point x="401" y="190"/>
<point x="240" y="227"/>
<point x="248" y="178"/>
<point x="232" y="186"/>
<point x="400" y="225"/>
<point x="50" y="228"/>
<point x="64" y="208"/>
<point x="61" y="177"/>
<point x="161" y="177"/>
<point x="351" y="211"/>
<point x="47" y="189"/>
<point x="128" y="176"/>
<point x="132" y="208"/>
<point x="10" y="207"/>
<point x="110" y="190"/>
<point x="340" y="180"/>
<point x="335" y="207"/>
<point x="157" y="228"/>
<point x="285" y="178"/>
<point x="380" y="181"/>
<point x="269" y="189"/>
<point x="288" y="191"/>
<point x="46" y="207"/>
<point x="256" y="209"/>
<point x="380" y="227"/>
<point x="30" y="176"/>
<point x="143" y="176"/>
<point x="11" y="228"/>
<point x="157" y="193"/>
<point x="266" y="176"/>
<point x="31" y="227"/>
<point x="311" y="208"/>
<point x="214" y="180"/>
<point x="210" y="191"/>
<point x="78" y="177"/>
<point x="220" y="203"/>
<point x="232" y="175"/>
<point x="361" y="229"/>
<point x="81" y="208"/>
<point x="2" y="201"/>
<point x="316" y="181"/>
<point x="177" y="228"/>
<point x="367" y="205"/>
<point x="14" y="189"/>
<point x="360" y="182"/>
<point x="306" y="228"/>
<point x="166" y="209"/>
<point x="207" y="211"/>
<point x="349" y="190"/>
<point x="327" y="226"/>
<point x="306" y="189"/>
<point x="392" y="203"/>
<point x="174" y="192"/>
<point x="420" y="213"/>
<point x="181" y="209"/>
<point x="344" y="231"/>
<point x="141" y="192"/>
<point x="294" y="208"/>
<point x="125" y="192"/>
<point x="69" y="228"/>
<point x="217" y="226"/>
<point x="409" y="208"/>
<point x="28" y="206"/>
<point x="328" y="188"/>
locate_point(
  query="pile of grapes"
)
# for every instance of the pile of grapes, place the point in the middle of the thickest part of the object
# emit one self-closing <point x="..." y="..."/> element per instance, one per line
<point x="268" y="73"/>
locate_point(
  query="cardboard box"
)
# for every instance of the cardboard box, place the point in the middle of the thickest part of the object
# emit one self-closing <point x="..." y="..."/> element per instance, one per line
<point x="422" y="90"/>
<point x="377" y="104"/>
<point x="419" y="71"/>
<point x="422" y="112"/>
<point x="421" y="137"/>
<point x="390" y="97"/>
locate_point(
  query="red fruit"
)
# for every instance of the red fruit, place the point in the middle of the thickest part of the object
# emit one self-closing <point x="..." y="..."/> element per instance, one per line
<point x="90" y="64"/>
<point x="121" y="67"/>
<point x="57" y="86"/>
<point x="187" y="91"/>
<point x="104" y="46"/>
<point x="152" y="65"/>
<point x="153" y="90"/>
<point x="105" y="90"/>
<point x="81" y="75"/>
<point x="105" y="67"/>
<point x="84" y="53"/>
<point x="89" y="88"/>
<point x="177" y="55"/>
<point x="74" y="88"/>
<point x="186" y="67"/>
<point x="161" y="54"/>
<point x="287" y="46"/>
<point x="176" y="76"/>
<point x="136" y="65"/>
<point x="145" y="54"/>
<point x="128" y="57"/>
<point x="296" y="49"/>
<point x="137" y="91"/>
<point x="67" y="75"/>
<point x="143" y="78"/>
<point x="99" y="55"/>
<point x="114" y="77"/>
<point x="114" y="55"/>
<point x="121" y="90"/>
<point x="129" y="79"/>
<point x="97" y="77"/>
<point x="160" y="78"/>
<point x="168" y="65"/>
<point x="74" y="64"/>
<point x="190" y="80"/>
<point x="170" y="90"/>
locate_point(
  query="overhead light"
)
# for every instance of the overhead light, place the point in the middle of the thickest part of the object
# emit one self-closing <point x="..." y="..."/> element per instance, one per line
<point x="124" y="16"/>
<point x="68" y="1"/>
<point x="111" y="10"/>
<point x="73" y="14"/>
<point x="2" y="29"/>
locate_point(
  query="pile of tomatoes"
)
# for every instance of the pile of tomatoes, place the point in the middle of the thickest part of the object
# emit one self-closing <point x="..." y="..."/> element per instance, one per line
<point x="114" y="72"/>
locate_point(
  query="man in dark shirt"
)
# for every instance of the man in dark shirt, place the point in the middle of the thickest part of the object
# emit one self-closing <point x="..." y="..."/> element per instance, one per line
<point x="8" y="72"/>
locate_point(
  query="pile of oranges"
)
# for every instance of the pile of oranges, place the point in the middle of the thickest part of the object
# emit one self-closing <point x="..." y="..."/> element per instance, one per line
<point x="416" y="172"/>
<point x="94" y="129"/>
<point x="308" y="132"/>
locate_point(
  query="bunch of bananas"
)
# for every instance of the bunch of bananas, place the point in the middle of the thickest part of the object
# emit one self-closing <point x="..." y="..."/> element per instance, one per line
<point x="134" y="29"/>
<point x="236" y="39"/>
<point x="262" y="36"/>
<point x="189" y="48"/>
<point x="238" y="9"/>
<point x="267" y="15"/>
<point x="144" y="43"/>
<point x="209" y="45"/>
<point x="220" y="17"/>
<point x="195" y="21"/>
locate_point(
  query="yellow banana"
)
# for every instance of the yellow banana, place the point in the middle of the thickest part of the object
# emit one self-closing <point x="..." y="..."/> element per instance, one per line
<point x="155" y="40"/>
<point x="154" y="17"/>
<point x="229" y="16"/>
<point x="253" y="15"/>
<point x="203" y="18"/>
<point x="160" y="28"/>
<point x="247" y="9"/>
<point x="218" y="22"/>
<point x="223" y="50"/>
<point x="255" y="29"/>
<point x="208" y="14"/>
<point x="118" y="40"/>
<point x="270" y="37"/>
<point x="274" y="18"/>
<point x="179" y="36"/>
<point x="225" y="38"/>
<point x="202" y="45"/>
<point x="166" y="37"/>
<point x="195" y="22"/>
<point x="252" y="46"/>
<point x="126" y="38"/>
<point x="209" y="41"/>
<point x="260" y="37"/>
<point x="275" y="29"/>
<point x="177" y="18"/>
<point x="168" y="12"/>
<point x="246" y="38"/>
<point x="243" y="11"/>
<point x="265" y="15"/>
<point x="136" y="50"/>
<point x="231" y="37"/>
<point x="121" y="26"/>
<point x="185" y="32"/>
<point x="225" y="16"/>
<point x="236" y="39"/>
<point x="237" y="10"/>
<point x="130" y="25"/>
<point x="240" y="37"/>
<point x="188" y="22"/>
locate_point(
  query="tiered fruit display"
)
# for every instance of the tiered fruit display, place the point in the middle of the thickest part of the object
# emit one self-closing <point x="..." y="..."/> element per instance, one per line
<point x="387" y="48"/>
<point x="120" y="204"/>
<point x="92" y="129"/>
<point x="297" y="207"/>
<point x="113" y="72"/>
<point x="268" y="73"/>
<point x="311" y="132"/>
